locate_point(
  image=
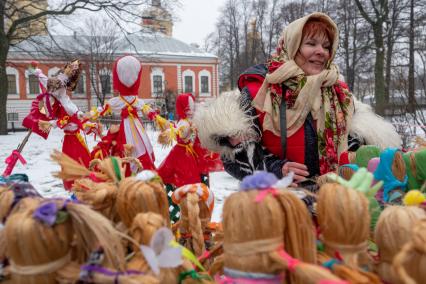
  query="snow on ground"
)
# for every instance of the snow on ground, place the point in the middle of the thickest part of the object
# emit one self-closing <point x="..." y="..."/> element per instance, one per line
<point x="40" y="167"/>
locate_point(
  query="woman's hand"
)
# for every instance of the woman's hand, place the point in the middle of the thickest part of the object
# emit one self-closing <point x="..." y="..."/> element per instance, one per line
<point x="300" y="171"/>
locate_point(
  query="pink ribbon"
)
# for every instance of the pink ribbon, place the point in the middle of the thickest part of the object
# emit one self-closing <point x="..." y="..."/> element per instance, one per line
<point x="94" y="178"/>
<point x="263" y="193"/>
<point x="291" y="262"/>
<point x="16" y="155"/>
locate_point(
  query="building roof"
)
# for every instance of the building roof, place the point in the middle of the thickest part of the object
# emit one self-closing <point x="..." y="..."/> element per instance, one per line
<point x="143" y="44"/>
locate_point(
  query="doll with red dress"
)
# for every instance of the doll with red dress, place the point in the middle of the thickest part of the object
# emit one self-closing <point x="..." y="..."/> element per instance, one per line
<point x="129" y="138"/>
<point x="54" y="108"/>
<point x="187" y="162"/>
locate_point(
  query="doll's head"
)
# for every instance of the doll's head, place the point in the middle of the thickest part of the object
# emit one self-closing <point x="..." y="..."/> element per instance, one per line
<point x="141" y="196"/>
<point x="344" y="219"/>
<point x="393" y="230"/>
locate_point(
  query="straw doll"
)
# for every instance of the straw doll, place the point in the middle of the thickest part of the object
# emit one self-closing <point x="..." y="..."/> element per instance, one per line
<point x="415" y="163"/>
<point x="142" y="230"/>
<point x="196" y="202"/>
<point x="266" y="232"/>
<point x="55" y="233"/>
<point x="391" y="170"/>
<point x="393" y="231"/>
<point x="141" y="194"/>
<point x="409" y="263"/>
<point x="344" y="219"/>
<point x="97" y="188"/>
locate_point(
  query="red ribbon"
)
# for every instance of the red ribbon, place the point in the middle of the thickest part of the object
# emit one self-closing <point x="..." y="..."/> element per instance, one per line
<point x="291" y="262"/>
<point x="16" y="155"/>
<point x="264" y="192"/>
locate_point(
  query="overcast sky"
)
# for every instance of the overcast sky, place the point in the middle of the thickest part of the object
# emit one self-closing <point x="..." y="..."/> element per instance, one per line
<point x="197" y="19"/>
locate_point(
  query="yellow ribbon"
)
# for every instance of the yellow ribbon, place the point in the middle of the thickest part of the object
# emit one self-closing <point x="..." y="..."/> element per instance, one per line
<point x="186" y="253"/>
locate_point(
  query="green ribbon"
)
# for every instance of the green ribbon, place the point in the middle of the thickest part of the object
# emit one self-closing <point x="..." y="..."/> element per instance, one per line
<point x="116" y="168"/>
<point x="193" y="274"/>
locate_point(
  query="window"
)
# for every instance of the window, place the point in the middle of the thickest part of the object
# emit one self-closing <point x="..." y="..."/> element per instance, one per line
<point x="188" y="84"/>
<point x="105" y="83"/>
<point x="188" y="80"/>
<point x="81" y="85"/>
<point x="34" y="87"/>
<point x="11" y="84"/>
<point x="204" y="78"/>
<point x="158" y="84"/>
<point x="204" y="84"/>
<point x="157" y="81"/>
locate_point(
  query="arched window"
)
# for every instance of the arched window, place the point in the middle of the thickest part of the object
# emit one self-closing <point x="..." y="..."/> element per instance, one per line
<point x="204" y="79"/>
<point x="32" y="85"/>
<point x="12" y="82"/>
<point x="157" y="82"/>
<point x="188" y="78"/>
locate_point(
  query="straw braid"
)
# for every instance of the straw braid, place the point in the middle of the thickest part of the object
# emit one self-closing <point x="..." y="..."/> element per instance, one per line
<point x="195" y="227"/>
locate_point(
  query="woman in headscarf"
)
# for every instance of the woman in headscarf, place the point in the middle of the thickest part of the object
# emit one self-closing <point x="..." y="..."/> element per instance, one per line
<point x="298" y="87"/>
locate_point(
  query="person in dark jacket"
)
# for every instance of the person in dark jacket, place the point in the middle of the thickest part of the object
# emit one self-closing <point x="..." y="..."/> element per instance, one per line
<point x="299" y="88"/>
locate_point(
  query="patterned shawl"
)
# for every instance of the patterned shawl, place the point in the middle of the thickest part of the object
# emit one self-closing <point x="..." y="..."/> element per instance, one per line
<point x="330" y="104"/>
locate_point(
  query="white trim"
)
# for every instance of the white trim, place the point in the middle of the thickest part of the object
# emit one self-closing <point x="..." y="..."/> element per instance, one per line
<point x="205" y="73"/>
<point x="156" y="71"/>
<point x="189" y="73"/>
<point x="13" y="71"/>
<point x="179" y="78"/>
<point x="82" y="78"/>
<point x="27" y="86"/>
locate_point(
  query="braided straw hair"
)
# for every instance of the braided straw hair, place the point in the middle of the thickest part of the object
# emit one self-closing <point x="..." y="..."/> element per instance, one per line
<point x="344" y="220"/>
<point x="392" y="232"/>
<point x="136" y="196"/>
<point x="37" y="251"/>
<point x="410" y="262"/>
<point x="254" y="232"/>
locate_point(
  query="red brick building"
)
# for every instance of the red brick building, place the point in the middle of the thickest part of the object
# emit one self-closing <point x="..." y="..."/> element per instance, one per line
<point x="168" y="66"/>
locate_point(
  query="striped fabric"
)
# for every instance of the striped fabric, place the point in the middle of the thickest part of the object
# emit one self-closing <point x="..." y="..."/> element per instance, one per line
<point x="201" y="189"/>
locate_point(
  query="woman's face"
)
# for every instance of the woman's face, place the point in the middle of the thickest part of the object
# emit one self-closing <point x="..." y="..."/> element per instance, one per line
<point x="313" y="54"/>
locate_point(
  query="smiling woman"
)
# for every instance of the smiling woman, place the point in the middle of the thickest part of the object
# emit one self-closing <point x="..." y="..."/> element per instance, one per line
<point x="302" y="110"/>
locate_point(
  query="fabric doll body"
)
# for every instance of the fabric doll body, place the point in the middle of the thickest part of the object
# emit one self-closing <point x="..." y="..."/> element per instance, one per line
<point x="57" y="110"/>
<point x="131" y="129"/>
<point x="127" y="72"/>
<point x="180" y="167"/>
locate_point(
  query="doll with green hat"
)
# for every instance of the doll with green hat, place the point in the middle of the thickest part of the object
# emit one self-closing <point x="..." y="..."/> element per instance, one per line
<point x="366" y="153"/>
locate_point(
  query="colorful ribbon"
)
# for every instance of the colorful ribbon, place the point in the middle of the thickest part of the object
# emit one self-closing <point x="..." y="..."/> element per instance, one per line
<point x="263" y="193"/>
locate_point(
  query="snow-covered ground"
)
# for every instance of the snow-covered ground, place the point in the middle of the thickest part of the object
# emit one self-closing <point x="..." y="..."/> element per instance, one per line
<point x="39" y="166"/>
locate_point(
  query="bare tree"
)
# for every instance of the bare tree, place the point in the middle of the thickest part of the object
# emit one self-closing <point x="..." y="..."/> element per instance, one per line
<point x="18" y="17"/>
<point x="376" y="13"/>
<point x="98" y="46"/>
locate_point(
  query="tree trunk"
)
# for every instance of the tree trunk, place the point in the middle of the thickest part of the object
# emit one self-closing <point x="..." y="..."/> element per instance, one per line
<point x="411" y="82"/>
<point x="379" y="80"/>
<point x="4" y="49"/>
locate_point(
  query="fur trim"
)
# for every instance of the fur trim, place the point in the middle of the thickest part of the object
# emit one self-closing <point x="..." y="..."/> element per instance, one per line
<point x="223" y="118"/>
<point x="372" y="128"/>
